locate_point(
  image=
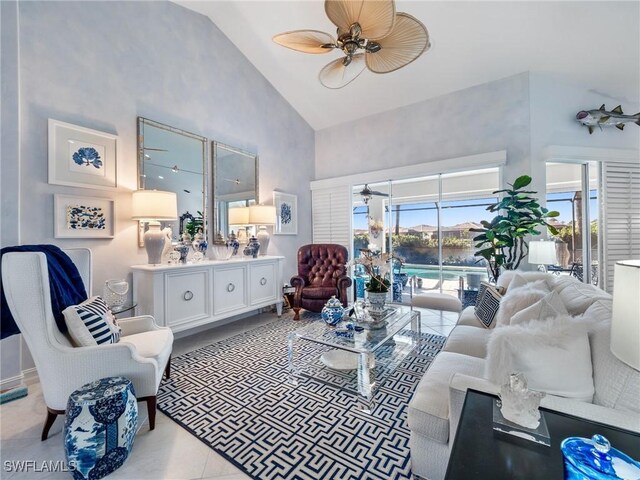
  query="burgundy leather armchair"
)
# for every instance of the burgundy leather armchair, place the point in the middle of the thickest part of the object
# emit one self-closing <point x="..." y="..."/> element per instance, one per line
<point x="322" y="272"/>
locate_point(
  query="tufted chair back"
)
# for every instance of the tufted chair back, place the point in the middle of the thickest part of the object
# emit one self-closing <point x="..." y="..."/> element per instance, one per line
<point x="321" y="264"/>
<point x="322" y="272"/>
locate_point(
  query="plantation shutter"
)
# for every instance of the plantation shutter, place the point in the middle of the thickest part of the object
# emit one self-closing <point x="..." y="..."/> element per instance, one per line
<point x="620" y="215"/>
<point x="331" y="211"/>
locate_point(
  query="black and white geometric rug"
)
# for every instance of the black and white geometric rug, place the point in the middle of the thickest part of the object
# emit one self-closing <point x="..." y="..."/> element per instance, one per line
<point x="234" y="396"/>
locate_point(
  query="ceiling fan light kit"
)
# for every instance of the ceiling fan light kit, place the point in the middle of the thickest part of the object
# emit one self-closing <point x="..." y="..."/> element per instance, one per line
<point x="370" y="34"/>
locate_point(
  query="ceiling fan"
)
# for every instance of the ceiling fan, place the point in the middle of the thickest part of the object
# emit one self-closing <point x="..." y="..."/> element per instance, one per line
<point x="370" y="34"/>
<point x="366" y="193"/>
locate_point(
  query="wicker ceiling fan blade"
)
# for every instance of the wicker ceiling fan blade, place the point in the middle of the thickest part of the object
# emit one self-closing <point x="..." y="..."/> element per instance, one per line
<point x="375" y="17"/>
<point x="337" y="75"/>
<point x="306" y="41"/>
<point x="408" y="40"/>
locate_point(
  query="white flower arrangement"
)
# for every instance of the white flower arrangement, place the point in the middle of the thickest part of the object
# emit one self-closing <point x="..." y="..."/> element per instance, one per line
<point x="377" y="267"/>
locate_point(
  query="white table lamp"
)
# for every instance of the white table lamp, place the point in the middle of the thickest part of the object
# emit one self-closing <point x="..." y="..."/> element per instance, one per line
<point x="262" y="215"/>
<point x="625" y="323"/>
<point x="240" y="216"/>
<point x="153" y="206"/>
<point x="542" y="253"/>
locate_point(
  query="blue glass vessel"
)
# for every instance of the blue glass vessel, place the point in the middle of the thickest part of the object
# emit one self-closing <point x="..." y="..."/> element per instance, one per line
<point x="595" y="459"/>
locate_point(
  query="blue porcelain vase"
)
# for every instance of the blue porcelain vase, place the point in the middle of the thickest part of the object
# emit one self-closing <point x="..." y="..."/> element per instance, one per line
<point x="199" y="243"/>
<point x="254" y="244"/>
<point x="233" y="242"/>
<point x="333" y="311"/>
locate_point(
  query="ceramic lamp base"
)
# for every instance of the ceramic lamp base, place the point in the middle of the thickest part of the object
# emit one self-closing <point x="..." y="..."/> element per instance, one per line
<point x="263" y="238"/>
<point x="154" y="243"/>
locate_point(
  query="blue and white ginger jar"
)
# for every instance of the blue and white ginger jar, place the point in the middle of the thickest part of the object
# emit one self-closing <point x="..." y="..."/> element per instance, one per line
<point x="333" y="311"/>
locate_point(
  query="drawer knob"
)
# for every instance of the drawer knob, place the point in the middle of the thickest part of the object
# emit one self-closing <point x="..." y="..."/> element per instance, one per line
<point x="231" y="287"/>
<point x="188" y="295"/>
<point x="263" y="281"/>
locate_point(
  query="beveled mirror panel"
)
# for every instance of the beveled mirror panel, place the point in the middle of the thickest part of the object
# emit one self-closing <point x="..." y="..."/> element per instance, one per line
<point x="235" y="182"/>
<point x="174" y="160"/>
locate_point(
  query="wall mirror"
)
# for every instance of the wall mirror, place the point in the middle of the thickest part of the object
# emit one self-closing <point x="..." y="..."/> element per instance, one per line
<point x="235" y="183"/>
<point x="174" y="160"/>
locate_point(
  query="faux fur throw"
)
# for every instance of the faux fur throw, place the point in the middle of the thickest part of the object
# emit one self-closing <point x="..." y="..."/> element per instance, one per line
<point x="519" y="298"/>
<point x="554" y="355"/>
<point x="548" y="306"/>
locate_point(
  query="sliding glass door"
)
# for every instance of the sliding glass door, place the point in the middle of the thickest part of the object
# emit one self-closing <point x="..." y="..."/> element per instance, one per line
<point x="426" y="221"/>
<point x="572" y="190"/>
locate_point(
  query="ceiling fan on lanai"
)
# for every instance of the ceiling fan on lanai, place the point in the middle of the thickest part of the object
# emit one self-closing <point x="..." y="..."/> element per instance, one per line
<point x="370" y="33"/>
<point x="366" y="193"/>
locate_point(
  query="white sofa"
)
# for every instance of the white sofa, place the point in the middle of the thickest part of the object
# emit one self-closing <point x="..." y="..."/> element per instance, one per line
<point x="436" y="405"/>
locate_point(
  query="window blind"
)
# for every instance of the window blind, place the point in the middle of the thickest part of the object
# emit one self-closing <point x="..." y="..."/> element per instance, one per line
<point x="331" y="210"/>
<point x="620" y="216"/>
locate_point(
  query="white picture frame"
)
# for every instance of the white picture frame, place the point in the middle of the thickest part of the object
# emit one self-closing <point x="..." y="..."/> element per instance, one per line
<point x="77" y="216"/>
<point x="82" y="157"/>
<point x="286" y="213"/>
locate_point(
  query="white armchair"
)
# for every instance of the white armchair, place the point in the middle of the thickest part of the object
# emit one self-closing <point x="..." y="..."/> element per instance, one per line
<point x="142" y="354"/>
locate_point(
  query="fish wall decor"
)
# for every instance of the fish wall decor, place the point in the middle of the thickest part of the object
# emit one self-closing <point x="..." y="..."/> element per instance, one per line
<point x="605" y="118"/>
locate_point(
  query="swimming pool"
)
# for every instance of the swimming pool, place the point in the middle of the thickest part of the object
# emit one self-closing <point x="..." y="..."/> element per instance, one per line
<point x="448" y="273"/>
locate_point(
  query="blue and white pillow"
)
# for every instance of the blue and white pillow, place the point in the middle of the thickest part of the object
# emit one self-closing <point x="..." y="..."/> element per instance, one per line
<point x="91" y="323"/>
<point x="488" y="303"/>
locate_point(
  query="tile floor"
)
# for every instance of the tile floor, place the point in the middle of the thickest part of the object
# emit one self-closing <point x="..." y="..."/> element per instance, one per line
<point x="168" y="452"/>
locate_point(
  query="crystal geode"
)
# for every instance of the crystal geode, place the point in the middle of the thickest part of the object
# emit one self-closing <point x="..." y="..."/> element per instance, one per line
<point x="519" y="404"/>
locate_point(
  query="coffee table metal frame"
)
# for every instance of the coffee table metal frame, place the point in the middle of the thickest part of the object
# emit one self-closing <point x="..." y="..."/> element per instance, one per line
<point x="365" y="344"/>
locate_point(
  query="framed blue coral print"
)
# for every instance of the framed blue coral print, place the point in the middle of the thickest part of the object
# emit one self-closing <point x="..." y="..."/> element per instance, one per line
<point x="83" y="217"/>
<point x="286" y="213"/>
<point x="81" y="157"/>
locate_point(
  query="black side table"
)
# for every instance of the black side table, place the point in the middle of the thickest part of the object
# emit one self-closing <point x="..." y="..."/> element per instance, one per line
<point x="480" y="452"/>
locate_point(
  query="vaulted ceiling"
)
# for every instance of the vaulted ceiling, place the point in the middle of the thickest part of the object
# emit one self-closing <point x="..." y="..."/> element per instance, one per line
<point x="592" y="43"/>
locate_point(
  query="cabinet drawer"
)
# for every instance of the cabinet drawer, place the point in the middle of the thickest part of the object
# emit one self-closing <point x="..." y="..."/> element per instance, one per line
<point x="229" y="291"/>
<point x="263" y="286"/>
<point x="187" y="297"/>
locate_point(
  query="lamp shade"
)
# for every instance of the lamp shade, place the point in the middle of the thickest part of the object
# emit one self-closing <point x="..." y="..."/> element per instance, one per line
<point x="262" y="215"/>
<point x="542" y="253"/>
<point x="625" y="324"/>
<point x="154" y="205"/>
<point x="239" y="216"/>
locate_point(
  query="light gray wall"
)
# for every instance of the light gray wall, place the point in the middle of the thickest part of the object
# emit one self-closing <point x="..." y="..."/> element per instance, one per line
<point x="522" y="114"/>
<point x="554" y="105"/>
<point x="489" y="117"/>
<point x="161" y="61"/>
<point x="10" y="371"/>
<point x="100" y="65"/>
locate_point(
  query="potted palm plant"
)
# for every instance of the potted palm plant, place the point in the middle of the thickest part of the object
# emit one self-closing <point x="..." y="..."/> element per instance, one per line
<point x="502" y="241"/>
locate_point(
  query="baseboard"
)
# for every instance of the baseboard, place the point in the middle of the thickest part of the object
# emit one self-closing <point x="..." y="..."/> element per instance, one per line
<point x="12" y="382"/>
<point x="30" y="376"/>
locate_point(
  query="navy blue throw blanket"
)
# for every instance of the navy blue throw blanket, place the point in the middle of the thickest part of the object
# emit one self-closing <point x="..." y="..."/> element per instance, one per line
<point x="65" y="284"/>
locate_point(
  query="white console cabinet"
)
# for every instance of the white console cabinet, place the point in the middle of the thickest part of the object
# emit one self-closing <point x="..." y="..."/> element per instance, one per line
<point x="191" y="295"/>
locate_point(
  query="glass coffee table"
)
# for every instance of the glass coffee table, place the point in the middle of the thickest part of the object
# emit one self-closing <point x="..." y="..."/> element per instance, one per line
<point x="374" y="353"/>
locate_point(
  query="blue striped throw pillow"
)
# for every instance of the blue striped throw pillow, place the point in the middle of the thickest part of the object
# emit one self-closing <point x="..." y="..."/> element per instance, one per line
<point x="92" y="323"/>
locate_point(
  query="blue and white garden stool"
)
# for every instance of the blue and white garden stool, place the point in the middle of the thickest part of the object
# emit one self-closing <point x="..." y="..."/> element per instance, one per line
<point x="100" y="425"/>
